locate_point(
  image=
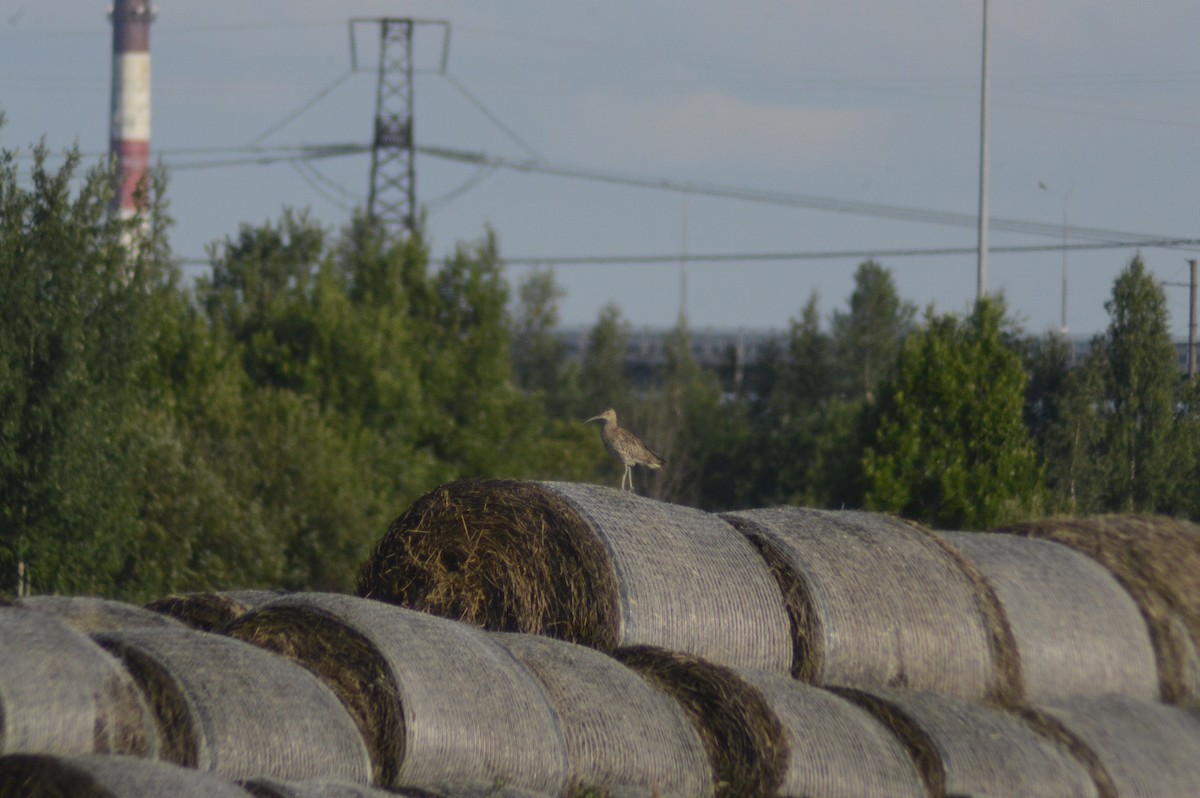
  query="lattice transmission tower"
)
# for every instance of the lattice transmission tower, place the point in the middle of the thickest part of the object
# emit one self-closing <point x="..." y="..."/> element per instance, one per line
<point x="392" y="196"/>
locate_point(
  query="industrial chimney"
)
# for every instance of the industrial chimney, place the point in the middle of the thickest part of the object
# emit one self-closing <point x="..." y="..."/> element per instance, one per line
<point x="130" y="110"/>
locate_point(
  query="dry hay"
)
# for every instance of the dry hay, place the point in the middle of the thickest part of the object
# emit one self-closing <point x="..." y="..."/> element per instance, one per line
<point x="877" y="601"/>
<point x="745" y="741"/>
<point x="239" y="711"/>
<point x="1135" y="747"/>
<point x="967" y="748"/>
<point x="1076" y="630"/>
<point x="1156" y="559"/>
<point x="49" y="776"/>
<point x="60" y="693"/>
<point x="89" y="614"/>
<point x="264" y="787"/>
<point x="436" y="700"/>
<point x="618" y="729"/>
<point x="837" y="749"/>
<point x="586" y="564"/>
<point x="211" y="612"/>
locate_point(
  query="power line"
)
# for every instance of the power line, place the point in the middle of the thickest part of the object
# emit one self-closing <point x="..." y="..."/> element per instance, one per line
<point x="831" y="204"/>
<point x="748" y="257"/>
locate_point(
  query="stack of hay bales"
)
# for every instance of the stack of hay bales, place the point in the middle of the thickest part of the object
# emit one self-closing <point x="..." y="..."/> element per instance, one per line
<point x="221" y="705"/>
<point x="60" y="693"/>
<point x="586" y="564"/>
<point x="438" y="702"/>
<point x="875" y="601"/>
<point x="1075" y="631"/>
<point x="1157" y="560"/>
<point x="783" y="651"/>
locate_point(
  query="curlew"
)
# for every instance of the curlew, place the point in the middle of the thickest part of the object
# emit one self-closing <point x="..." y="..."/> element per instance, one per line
<point x="626" y="447"/>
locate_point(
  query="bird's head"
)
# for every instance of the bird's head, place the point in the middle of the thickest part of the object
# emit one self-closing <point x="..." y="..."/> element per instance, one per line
<point x="609" y="416"/>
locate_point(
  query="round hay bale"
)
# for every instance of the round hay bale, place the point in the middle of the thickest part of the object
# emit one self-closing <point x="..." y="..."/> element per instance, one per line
<point x="836" y="748"/>
<point x="1076" y="630"/>
<point x="745" y="741"/>
<point x="877" y="602"/>
<point x="1140" y="748"/>
<point x="264" y="787"/>
<point x="60" y="693"/>
<point x="1156" y="559"/>
<point x="239" y="711"/>
<point x="967" y="748"/>
<point x="89" y="614"/>
<point x="210" y="612"/>
<point x="618" y="729"/>
<point x="436" y="700"/>
<point x="586" y="564"/>
<point x="50" y="776"/>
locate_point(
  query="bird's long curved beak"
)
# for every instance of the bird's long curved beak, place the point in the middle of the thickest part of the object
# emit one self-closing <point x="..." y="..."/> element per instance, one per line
<point x="594" y="418"/>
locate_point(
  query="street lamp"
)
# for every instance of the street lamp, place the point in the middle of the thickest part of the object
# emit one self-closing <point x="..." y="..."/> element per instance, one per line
<point x="1066" y="195"/>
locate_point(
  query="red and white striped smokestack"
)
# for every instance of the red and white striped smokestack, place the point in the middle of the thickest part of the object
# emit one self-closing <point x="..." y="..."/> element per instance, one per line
<point x="130" y="133"/>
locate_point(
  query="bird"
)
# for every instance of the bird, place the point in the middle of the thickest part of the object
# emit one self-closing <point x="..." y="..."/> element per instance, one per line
<point x="626" y="447"/>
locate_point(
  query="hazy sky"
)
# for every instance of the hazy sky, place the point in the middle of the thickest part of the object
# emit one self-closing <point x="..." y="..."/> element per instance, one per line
<point x="870" y="102"/>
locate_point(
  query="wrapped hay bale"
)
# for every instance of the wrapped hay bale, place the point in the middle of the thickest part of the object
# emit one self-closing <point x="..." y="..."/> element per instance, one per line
<point x="436" y="700"/>
<point x="1076" y="630"/>
<point x="876" y="601"/>
<point x="1132" y="747"/>
<point x="836" y="748"/>
<point x="586" y="564"/>
<point x="967" y="748"/>
<point x="89" y="614"/>
<point x="48" y="776"/>
<point x="210" y="612"/>
<point x="1157" y="560"/>
<point x="745" y="741"/>
<point x="239" y="711"/>
<point x="264" y="787"/>
<point x="618" y="729"/>
<point x="60" y="693"/>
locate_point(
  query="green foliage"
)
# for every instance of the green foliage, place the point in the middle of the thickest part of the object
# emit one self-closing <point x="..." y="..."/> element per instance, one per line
<point x="1121" y="442"/>
<point x="869" y="334"/>
<point x="950" y="445"/>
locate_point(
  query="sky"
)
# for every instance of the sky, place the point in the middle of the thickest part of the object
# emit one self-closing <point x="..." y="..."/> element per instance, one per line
<point x="828" y="120"/>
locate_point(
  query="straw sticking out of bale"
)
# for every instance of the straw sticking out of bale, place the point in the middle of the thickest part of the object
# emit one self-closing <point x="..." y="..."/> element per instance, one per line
<point x="618" y="729"/>
<point x="1157" y="560"/>
<point x="1145" y="748"/>
<point x="60" y="693"/>
<point x="1075" y="628"/>
<point x="437" y="700"/>
<point x="876" y="601"/>
<point x="745" y="741"/>
<point x="210" y="612"/>
<point x="837" y="749"/>
<point x="502" y="554"/>
<point x="89" y="614"/>
<point x="221" y="705"/>
<point x="585" y="564"/>
<point x="967" y="748"/>
<point x="49" y="776"/>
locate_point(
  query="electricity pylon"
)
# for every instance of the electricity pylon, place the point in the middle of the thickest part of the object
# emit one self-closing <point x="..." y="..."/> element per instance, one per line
<point x="392" y="197"/>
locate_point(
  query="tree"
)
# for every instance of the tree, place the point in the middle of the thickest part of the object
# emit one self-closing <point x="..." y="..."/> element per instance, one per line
<point x="1117" y="445"/>
<point x="868" y="335"/>
<point x="75" y="336"/>
<point x="950" y="447"/>
<point x="540" y="362"/>
<point x="603" y="379"/>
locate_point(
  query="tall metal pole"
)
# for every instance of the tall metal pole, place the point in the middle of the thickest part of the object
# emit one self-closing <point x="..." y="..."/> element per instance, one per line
<point x="981" y="272"/>
<point x="1066" y="196"/>
<point x="1192" y="324"/>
